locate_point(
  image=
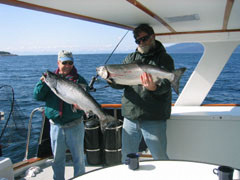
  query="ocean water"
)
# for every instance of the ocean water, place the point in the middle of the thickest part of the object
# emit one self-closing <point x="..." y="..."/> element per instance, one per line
<point x="23" y="72"/>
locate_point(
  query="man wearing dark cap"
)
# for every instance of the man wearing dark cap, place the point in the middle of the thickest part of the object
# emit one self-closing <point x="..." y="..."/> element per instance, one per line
<point x="66" y="120"/>
<point x="146" y="107"/>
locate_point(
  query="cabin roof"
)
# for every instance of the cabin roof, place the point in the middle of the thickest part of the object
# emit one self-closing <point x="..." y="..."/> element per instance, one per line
<point x="173" y="21"/>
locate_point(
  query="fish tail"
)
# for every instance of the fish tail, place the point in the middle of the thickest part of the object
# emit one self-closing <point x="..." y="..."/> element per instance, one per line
<point x="177" y="76"/>
<point x="107" y="119"/>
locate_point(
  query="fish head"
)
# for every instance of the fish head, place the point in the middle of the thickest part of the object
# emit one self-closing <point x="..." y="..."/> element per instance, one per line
<point x="102" y="71"/>
<point x="50" y="79"/>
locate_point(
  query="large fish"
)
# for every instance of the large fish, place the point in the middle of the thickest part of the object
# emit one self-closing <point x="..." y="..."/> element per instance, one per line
<point x="73" y="93"/>
<point x="129" y="74"/>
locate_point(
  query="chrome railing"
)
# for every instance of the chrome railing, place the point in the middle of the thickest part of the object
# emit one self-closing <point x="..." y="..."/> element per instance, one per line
<point x="41" y="109"/>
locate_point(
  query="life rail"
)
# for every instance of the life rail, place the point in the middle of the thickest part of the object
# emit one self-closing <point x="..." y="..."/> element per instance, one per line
<point x="41" y="109"/>
<point x="115" y="107"/>
<point x="120" y="105"/>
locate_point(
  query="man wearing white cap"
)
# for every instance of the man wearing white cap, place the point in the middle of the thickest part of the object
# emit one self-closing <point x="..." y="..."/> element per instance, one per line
<point x="66" y="120"/>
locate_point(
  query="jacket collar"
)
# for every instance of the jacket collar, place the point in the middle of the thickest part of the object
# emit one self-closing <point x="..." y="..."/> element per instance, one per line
<point x="159" y="48"/>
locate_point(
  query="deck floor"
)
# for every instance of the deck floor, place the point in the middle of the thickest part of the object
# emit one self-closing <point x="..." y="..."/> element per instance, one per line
<point x="46" y="171"/>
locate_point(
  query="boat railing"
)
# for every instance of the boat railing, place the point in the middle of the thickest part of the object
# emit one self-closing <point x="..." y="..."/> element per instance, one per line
<point x="115" y="108"/>
<point x="40" y="109"/>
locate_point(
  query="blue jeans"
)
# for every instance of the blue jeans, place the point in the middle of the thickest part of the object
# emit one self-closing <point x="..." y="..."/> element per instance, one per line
<point x="73" y="139"/>
<point x="153" y="132"/>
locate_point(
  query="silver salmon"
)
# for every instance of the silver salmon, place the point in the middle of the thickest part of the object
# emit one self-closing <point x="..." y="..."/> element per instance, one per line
<point x="129" y="74"/>
<point x="73" y="93"/>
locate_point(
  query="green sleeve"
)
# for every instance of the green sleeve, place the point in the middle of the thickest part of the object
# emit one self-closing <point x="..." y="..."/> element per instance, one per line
<point x="40" y="91"/>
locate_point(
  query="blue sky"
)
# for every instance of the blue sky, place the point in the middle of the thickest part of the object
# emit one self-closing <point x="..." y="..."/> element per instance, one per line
<point x="27" y="32"/>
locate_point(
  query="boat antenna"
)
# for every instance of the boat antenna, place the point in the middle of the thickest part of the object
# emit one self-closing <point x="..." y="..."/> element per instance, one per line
<point x="94" y="78"/>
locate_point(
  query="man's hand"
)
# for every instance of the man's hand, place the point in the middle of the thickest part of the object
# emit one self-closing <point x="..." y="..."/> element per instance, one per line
<point x="109" y="81"/>
<point x="75" y="106"/>
<point x="42" y="79"/>
<point x="147" y="82"/>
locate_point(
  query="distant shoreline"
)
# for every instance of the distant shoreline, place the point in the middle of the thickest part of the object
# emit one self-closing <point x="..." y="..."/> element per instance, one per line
<point x="4" y="53"/>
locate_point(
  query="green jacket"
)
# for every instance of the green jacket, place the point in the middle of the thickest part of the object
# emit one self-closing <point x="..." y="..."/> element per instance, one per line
<point x="52" y="104"/>
<point x="138" y="103"/>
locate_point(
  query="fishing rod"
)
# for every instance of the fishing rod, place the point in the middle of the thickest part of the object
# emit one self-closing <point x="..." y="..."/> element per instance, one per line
<point x="94" y="78"/>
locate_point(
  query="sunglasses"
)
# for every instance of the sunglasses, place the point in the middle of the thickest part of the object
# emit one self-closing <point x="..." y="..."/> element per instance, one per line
<point x="143" y="39"/>
<point x="67" y="62"/>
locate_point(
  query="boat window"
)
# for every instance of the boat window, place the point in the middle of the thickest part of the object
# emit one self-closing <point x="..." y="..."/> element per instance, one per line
<point x="227" y="86"/>
<point x="185" y="55"/>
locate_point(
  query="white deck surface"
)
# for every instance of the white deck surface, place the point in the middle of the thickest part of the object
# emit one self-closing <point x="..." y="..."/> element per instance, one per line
<point x="148" y="168"/>
<point x="46" y="172"/>
<point x="167" y="170"/>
